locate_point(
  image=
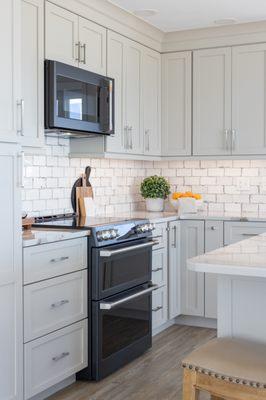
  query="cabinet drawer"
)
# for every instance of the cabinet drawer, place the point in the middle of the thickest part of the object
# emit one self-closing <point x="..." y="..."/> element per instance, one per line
<point x="159" y="307"/>
<point x="54" y="259"/>
<point x="160" y="234"/>
<point x="236" y="231"/>
<point x="54" y="303"/>
<point x="159" y="267"/>
<point x="55" y="357"/>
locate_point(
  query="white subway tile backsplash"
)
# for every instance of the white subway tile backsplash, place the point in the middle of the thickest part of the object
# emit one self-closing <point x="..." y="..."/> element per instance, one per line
<point x="226" y="185"/>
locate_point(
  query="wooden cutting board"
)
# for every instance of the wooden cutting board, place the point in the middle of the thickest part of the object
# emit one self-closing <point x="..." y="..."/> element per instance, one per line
<point x="81" y="193"/>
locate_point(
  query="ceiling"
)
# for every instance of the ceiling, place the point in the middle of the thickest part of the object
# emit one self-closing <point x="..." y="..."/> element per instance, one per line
<point x="174" y="15"/>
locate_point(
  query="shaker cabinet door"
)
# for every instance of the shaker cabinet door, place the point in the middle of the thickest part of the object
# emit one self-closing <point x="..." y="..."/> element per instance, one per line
<point x="192" y="283"/>
<point x="248" y="99"/>
<point x="61" y="35"/>
<point x="176" y="104"/>
<point x="212" y="102"/>
<point x="10" y="93"/>
<point x="32" y="72"/>
<point x="151" y="89"/>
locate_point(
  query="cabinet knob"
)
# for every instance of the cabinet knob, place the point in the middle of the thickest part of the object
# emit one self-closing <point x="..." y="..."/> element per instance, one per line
<point x="213" y="228"/>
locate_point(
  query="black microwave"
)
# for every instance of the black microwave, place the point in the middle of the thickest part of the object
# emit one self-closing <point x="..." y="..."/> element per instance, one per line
<point x="77" y="102"/>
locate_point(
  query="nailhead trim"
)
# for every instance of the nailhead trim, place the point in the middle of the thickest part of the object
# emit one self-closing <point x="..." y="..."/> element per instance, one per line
<point x="224" y="377"/>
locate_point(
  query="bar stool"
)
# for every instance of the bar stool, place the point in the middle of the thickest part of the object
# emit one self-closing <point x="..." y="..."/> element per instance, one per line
<point x="227" y="369"/>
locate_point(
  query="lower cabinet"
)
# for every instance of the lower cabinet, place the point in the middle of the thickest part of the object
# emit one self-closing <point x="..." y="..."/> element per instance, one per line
<point x="174" y="271"/>
<point x="236" y="231"/>
<point x="192" y="283"/>
<point x="52" y="358"/>
<point x="159" y="307"/>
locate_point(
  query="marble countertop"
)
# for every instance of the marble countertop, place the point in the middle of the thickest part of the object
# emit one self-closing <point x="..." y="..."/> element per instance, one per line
<point x="224" y="216"/>
<point x="244" y="258"/>
<point x="151" y="216"/>
<point x="39" y="236"/>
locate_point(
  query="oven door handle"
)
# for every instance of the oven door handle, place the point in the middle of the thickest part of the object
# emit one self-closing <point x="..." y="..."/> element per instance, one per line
<point x="110" y="253"/>
<point x="104" y="305"/>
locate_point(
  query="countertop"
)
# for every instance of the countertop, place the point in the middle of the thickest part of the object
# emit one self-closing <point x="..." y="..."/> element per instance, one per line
<point x="244" y="258"/>
<point x="39" y="236"/>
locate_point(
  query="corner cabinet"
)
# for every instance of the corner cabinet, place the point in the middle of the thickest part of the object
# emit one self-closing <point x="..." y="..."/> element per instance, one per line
<point x="176" y="104"/>
<point x="10" y="95"/>
<point x="32" y="41"/>
<point x="11" y="344"/>
<point x="192" y="283"/>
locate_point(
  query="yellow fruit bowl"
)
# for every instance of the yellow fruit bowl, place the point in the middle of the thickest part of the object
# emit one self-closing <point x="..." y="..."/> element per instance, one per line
<point x="188" y="201"/>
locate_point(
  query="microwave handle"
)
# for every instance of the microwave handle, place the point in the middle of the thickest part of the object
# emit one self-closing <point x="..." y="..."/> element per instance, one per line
<point x="106" y="305"/>
<point x="106" y="106"/>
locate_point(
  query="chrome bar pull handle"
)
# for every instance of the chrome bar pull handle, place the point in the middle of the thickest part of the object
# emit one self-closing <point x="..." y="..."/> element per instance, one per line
<point x="226" y="132"/>
<point x="77" y="47"/>
<point x="110" y="253"/>
<point x="157" y="309"/>
<point x="61" y="356"/>
<point x="20" y="105"/>
<point x="59" y="304"/>
<point x="83" y="47"/>
<point x="157" y="269"/>
<point x="147" y="139"/>
<point x="233" y="132"/>
<point x="55" y="260"/>
<point x="174" y="237"/>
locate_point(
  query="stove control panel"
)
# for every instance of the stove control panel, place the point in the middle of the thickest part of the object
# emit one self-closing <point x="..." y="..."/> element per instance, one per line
<point x="108" y="234"/>
<point x="144" y="228"/>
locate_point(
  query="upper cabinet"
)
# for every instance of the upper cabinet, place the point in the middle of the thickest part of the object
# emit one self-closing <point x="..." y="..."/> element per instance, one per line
<point x="10" y="94"/>
<point x="176" y="104"/>
<point x="248" y="99"/>
<point x="74" y="40"/>
<point x="212" y="102"/>
<point x="32" y="56"/>
<point x="151" y="89"/>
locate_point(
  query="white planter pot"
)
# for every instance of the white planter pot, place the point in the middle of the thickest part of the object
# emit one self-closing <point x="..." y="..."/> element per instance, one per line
<point x="154" y="204"/>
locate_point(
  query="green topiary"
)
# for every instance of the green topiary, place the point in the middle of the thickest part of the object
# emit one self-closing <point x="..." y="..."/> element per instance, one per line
<point x="155" y="187"/>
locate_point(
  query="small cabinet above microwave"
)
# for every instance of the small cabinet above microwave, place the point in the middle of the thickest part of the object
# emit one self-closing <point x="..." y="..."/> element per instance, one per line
<point x="77" y="102"/>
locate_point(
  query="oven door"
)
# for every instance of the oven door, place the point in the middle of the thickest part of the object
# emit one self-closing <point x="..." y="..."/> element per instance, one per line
<point x="121" y="329"/>
<point x="78" y="100"/>
<point x="120" y="267"/>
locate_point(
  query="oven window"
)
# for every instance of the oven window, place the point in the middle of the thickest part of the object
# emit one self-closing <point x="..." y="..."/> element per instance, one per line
<point x="120" y="270"/>
<point x="77" y="100"/>
<point x="124" y="325"/>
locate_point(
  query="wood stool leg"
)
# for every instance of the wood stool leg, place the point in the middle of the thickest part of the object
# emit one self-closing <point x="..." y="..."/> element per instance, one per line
<point x="189" y="390"/>
<point x="215" y="398"/>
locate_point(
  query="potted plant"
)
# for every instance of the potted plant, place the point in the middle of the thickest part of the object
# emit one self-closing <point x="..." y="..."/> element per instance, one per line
<point x="155" y="189"/>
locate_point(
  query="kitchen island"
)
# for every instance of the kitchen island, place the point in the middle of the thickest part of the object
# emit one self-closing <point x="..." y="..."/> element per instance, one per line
<point x="241" y="272"/>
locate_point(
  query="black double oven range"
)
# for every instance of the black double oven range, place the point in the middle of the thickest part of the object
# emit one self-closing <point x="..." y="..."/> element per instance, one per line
<point x="119" y="289"/>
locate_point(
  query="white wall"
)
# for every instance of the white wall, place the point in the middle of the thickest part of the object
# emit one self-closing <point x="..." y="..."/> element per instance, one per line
<point x="49" y="179"/>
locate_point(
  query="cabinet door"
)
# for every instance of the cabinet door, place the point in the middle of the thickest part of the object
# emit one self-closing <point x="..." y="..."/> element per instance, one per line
<point x="192" y="283"/>
<point x="176" y="104"/>
<point x="92" y="38"/>
<point x="151" y="86"/>
<point x="133" y="97"/>
<point x="174" y="282"/>
<point x="11" y="343"/>
<point x="214" y="238"/>
<point x="237" y="231"/>
<point x="61" y="35"/>
<point x="32" y="72"/>
<point x="116" y="58"/>
<point x="212" y="101"/>
<point x="9" y="69"/>
<point x="248" y="99"/>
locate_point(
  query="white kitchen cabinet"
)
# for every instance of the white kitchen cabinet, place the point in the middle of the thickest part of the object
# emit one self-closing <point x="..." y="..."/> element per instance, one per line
<point x="133" y="98"/>
<point x="61" y="35"/>
<point x="248" y="99"/>
<point x="116" y="56"/>
<point x="176" y="104"/>
<point x="192" y="283"/>
<point x="10" y="94"/>
<point x="174" y="273"/>
<point x="93" y="46"/>
<point x="212" y="102"/>
<point x="151" y="89"/>
<point x="11" y="350"/>
<point x="32" y="42"/>
<point x="237" y="231"/>
<point x="159" y="267"/>
<point x="159" y="307"/>
<point x="74" y="40"/>
<point x="214" y="239"/>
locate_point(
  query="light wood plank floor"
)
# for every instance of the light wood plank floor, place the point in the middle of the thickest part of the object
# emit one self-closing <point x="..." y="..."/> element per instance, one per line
<point x="157" y="375"/>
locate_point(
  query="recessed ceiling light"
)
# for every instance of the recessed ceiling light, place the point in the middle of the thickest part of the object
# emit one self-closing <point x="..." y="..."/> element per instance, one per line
<point x="225" y="21"/>
<point x="145" y="13"/>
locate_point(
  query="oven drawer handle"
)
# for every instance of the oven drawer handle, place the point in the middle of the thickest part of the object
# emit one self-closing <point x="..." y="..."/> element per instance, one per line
<point x="108" y="305"/>
<point x="110" y="253"/>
